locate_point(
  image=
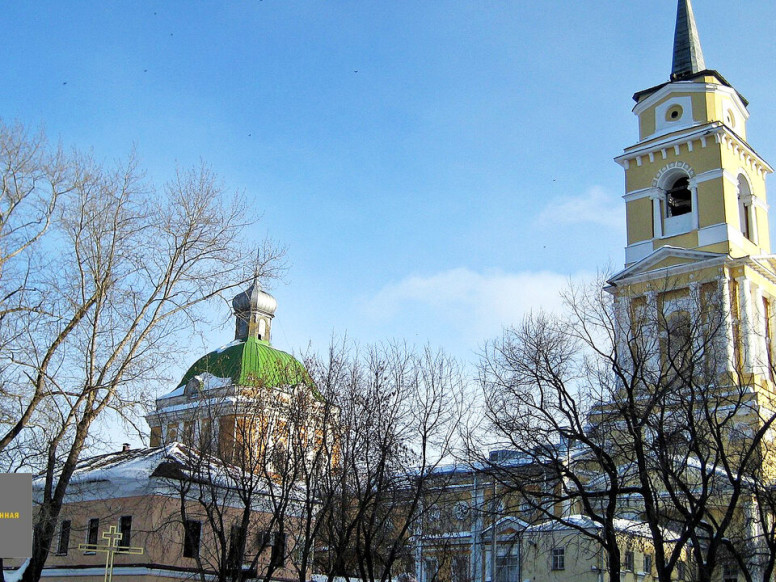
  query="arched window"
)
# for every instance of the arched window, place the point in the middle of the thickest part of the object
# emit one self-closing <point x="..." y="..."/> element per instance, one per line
<point x="679" y="197"/>
<point x="744" y="206"/>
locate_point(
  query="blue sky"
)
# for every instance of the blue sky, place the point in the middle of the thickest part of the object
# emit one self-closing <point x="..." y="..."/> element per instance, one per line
<point x="435" y="168"/>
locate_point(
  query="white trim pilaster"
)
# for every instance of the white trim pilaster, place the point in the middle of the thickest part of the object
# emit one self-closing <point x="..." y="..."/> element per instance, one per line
<point x="657" y="213"/>
<point x="747" y="319"/>
<point x="728" y="363"/>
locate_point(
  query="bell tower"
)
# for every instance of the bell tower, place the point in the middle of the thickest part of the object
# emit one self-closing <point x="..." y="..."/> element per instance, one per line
<point x="692" y="180"/>
<point x="698" y="246"/>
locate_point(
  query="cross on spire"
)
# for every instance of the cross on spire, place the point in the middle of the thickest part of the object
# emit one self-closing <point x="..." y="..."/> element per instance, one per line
<point x="111" y="549"/>
<point x="688" y="56"/>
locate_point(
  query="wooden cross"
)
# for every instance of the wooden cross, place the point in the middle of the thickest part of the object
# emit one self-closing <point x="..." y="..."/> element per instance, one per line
<point x="114" y="537"/>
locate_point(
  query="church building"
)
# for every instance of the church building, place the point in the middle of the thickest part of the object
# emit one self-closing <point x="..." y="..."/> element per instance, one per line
<point x="228" y="389"/>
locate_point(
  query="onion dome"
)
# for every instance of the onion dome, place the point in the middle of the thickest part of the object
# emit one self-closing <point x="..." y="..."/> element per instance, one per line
<point x="254" y="309"/>
<point x="255" y="298"/>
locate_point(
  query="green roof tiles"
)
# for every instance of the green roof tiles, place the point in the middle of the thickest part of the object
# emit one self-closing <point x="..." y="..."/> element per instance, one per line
<point x="252" y="362"/>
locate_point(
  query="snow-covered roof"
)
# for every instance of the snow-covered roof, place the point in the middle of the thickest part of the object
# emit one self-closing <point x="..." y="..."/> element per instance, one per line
<point x="134" y="472"/>
<point x="505" y="523"/>
<point x="127" y="472"/>
<point x="207" y="382"/>
<point x="572" y="522"/>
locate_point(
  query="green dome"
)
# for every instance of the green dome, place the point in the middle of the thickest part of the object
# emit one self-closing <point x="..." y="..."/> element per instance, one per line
<point x="252" y="362"/>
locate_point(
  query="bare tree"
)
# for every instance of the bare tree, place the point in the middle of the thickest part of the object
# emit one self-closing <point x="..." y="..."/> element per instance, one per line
<point x="126" y="271"/>
<point x="633" y="413"/>
<point x="397" y="417"/>
<point x="33" y="179"/>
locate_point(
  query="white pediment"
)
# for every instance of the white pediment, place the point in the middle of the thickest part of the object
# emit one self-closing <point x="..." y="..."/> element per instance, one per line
<point x="506" y="526"/>
<point x="667" y="259"/>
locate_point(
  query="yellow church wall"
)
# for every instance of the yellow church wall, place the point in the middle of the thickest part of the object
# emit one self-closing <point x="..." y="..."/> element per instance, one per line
<point x="647" y="119"/>
<point x="721" y="247"/>
<point x="713" y="106"/>
<point x="688" y="240"/>
<point x="670" y="262"/>
<point x="700" y="159"/>
<point x="730" y="203"/>
<point x="670" y="283"/>
<point x="157" y="528"/>
<point x="730" y="159"/>
<point x="639" y="220"/>
<point x="756" y="278"/>
<point x="710" y="211"/>
<point x="763" y="232"/>
<point x="718" y="105"/>
<point x="757" y="182"/>
<point x="647" y="123"/>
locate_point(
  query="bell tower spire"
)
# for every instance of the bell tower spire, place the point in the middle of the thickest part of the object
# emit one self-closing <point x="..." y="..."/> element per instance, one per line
<point x="688" y="56"/>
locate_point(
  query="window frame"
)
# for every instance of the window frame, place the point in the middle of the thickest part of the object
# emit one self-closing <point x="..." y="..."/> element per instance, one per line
<point x="277" y="558"/>
<point x="729" y="571"/>
<point x="92" y="533"/>
<point x="558" y="559"/>
<point x="125" y="528"/>
<point x="745" y="218"/>
<point x="63" y="543"/>
<point x="628" y="561"/>
<point x="192" y="537"/>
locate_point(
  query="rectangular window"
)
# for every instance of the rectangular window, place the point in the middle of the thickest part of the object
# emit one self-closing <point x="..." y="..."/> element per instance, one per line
<point x="156" y="436"/>
<point x="647" y="563"/>
<point x="205" y="434"/>
<point x="730" y="572"/>
<point x="558" y="559"/>
<point x="264" y="540"/>
<point x="93" y="531"/>
<point x="125" y="528"/>
<point x="191" y="535"/>
<point x="236" y="548"/>
<point x="459" y="569"/>
<point x="507" y="568"/>
<point x="188" y="432"/>
<point x="226" y="428"/>
<point x="172" y="432"/>
<point x="430" y="570"/>
<point x="64" y="538"/>
<point x="628" y="563"/>
<point x="278" y="557"/>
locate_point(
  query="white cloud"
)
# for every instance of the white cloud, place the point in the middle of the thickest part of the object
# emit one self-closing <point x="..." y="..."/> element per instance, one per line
<point x="473" y="305"/>
<point x="596" y="206"/>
